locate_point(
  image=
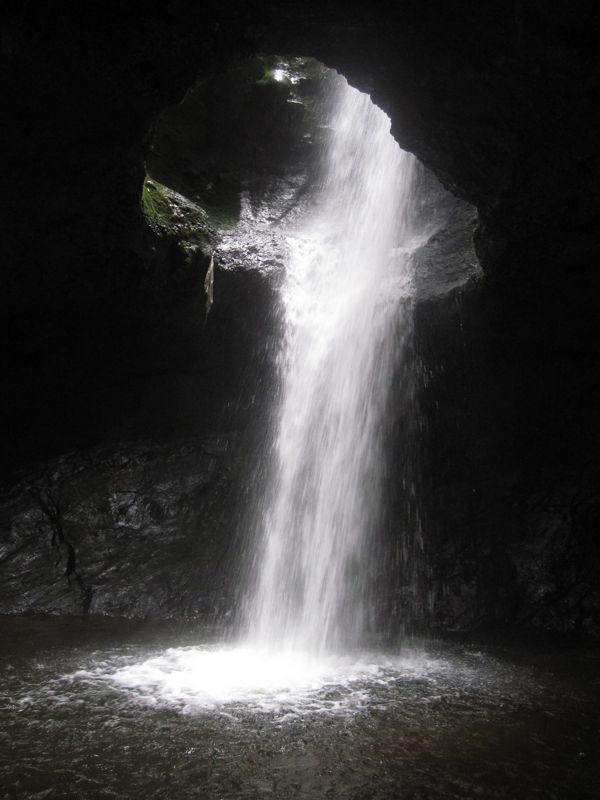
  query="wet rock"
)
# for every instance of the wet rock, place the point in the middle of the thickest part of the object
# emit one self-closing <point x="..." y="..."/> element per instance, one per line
<point x="138" y="530"/>
<point x="509" y="496"/>
<point x="250" y="130"/>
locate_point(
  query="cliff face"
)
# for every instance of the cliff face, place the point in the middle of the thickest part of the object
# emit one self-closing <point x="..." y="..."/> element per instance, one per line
<point x="123" y="531"/>
<point x="105" y="320"/>
<point x="511" y="480"/>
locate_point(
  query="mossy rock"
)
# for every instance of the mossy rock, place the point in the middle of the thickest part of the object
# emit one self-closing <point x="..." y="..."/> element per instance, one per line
<point x="157" y="208"/>
<point x="169" y="213"/>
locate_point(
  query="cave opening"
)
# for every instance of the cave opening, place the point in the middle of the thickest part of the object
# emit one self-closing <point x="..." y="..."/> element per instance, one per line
<point x="233" y="173"/>
<point x="240" y="156"/>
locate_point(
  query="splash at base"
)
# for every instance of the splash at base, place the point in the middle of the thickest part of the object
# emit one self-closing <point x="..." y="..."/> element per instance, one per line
<point x="287" y="684"/>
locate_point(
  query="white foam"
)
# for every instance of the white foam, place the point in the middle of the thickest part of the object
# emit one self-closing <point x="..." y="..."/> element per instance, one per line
<point x="288" y="683"/>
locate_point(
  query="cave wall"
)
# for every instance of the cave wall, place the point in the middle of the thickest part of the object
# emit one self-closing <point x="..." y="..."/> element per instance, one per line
<point x="497" y="98"/>
<point x="510" y="438"/>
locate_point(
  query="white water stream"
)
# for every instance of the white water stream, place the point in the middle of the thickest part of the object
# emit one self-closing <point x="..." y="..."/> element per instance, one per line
<point x="347" y="268"/>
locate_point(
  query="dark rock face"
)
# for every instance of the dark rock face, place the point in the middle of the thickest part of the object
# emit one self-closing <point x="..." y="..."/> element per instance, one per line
<point x="132" y="530"/>
<point x="447" y="260"/>
<point x="511" y="481"/>
<point x="106" y="338"/>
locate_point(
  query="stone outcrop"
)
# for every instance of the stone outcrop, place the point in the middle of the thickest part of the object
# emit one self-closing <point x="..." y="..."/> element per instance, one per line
<point x="133" y="530"/>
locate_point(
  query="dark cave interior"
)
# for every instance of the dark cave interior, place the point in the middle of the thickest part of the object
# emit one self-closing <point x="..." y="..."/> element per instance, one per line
<point x="113" y="377"/>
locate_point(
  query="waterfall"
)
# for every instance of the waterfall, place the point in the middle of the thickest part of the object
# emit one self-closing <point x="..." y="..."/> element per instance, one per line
<point x="348" y="277"/>
<point x="318" y="553"/>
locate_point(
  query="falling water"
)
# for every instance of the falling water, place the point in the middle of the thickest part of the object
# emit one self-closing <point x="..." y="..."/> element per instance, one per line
<point x="347" y="309"/>
<point x="347" y="270"/>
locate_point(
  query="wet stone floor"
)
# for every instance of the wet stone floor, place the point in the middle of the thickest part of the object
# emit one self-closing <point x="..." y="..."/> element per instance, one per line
<point x="106" y="709"/>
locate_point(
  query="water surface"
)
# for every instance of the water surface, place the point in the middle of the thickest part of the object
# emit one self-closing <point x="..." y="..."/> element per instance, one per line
<point x="100" y="709"/>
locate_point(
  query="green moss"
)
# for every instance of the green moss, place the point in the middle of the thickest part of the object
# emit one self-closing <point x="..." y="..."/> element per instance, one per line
<point x="275" y="78"/>
<point x="155" y="203"/>
<point x="268" y="77"/>
<point x="171" y="214"/>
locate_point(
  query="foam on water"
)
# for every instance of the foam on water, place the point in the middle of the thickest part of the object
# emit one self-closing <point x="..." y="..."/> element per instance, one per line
<point x="287" y="683"/>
